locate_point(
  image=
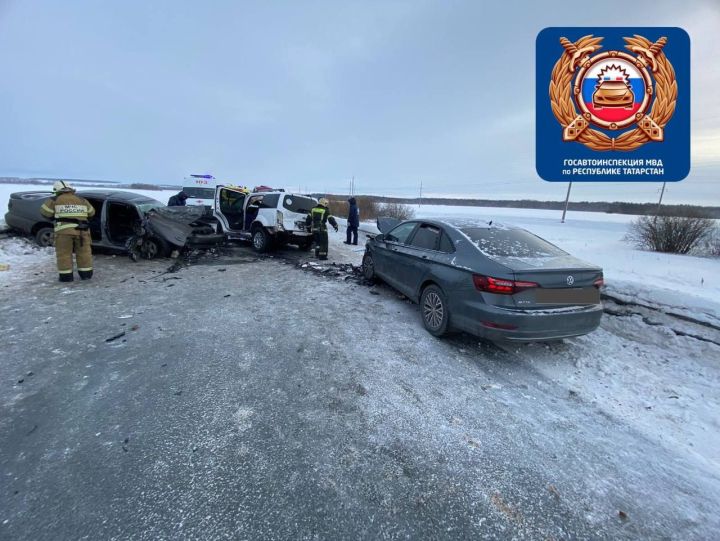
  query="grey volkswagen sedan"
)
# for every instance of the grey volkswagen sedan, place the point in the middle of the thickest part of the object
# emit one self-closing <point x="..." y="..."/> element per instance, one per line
<point x="495" y="281"/>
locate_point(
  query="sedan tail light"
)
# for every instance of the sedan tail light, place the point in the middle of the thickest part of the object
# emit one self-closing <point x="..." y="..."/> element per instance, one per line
<point x="501" y="326"/>
<point x="501" y="286"/>
<point x="599" y="282"/>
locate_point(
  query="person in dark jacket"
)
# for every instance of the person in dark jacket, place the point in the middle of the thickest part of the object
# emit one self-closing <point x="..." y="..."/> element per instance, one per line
<point x="317" y="221"/>
<point x="353" y="221"/>
<point x="177" y="200"/>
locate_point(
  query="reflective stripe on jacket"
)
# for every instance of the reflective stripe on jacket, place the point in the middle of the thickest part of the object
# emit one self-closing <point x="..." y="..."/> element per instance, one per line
<point x="319" y="217"/>
<point x="67" y="209"/>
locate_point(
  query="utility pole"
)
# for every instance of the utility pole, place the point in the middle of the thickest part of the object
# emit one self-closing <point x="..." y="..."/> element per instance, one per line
<point x="567" y="201"/>
<point x="662" y="192"/>
<point x="420" y="203"/>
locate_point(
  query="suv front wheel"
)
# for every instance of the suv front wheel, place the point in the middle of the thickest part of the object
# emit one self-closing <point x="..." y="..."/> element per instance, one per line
<point x="260" y="240"/>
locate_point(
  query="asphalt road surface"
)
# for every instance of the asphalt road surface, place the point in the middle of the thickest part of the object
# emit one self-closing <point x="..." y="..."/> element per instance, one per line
<point x="246" y="398"/>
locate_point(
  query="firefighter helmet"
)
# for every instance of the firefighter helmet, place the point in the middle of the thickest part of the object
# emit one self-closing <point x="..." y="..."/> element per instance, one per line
<point x="324" y="202"/>
<point x="62" y="186"/>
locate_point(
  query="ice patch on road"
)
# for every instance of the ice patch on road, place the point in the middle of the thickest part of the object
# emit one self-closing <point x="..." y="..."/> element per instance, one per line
<point x="243" y="418"/>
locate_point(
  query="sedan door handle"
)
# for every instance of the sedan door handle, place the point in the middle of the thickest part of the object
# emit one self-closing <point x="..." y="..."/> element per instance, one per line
<point x="424" y="257"/>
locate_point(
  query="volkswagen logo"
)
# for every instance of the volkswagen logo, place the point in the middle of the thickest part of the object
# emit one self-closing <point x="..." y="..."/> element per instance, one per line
<point x="570" y="280"/>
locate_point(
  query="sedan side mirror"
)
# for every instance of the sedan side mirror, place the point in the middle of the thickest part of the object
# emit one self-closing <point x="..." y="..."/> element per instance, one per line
<point x="379" y="237"/>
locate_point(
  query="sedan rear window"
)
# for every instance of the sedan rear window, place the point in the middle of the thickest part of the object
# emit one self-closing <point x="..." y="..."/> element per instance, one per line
<point x="510" y="243"/>
<point x="446" y="244"/>
<point x="427" y="237"/>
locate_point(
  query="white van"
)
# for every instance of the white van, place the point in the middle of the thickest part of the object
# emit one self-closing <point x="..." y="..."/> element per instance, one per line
<point x="200" y="190"/>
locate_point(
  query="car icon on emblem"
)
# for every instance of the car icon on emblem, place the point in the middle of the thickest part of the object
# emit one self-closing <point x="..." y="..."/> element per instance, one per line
<point x="570" y="280"/>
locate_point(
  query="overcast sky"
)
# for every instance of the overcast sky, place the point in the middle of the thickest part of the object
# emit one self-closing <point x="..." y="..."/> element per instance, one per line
<point x="308" y="94"/>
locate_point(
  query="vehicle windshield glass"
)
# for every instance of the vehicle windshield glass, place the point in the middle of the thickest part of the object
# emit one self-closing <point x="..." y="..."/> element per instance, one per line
<point x="510" y="243"/>
<point x="199" y="193"/>
<point x="298" y="203"/>
<point x="149" y="205"/>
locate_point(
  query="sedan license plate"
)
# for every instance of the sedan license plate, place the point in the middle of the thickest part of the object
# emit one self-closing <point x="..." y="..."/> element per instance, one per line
<point x="576" y="295"/>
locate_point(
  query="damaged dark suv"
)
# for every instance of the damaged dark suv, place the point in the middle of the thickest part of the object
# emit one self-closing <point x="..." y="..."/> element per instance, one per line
<point x="117" y="217"/>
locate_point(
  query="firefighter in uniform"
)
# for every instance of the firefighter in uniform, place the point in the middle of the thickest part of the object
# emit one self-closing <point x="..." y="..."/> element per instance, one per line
<point x="317" y="220"/>
<point x="72" y="235"/>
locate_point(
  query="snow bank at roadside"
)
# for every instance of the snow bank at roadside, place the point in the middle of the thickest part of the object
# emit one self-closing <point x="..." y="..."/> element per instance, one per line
<point x="25" y="259"/>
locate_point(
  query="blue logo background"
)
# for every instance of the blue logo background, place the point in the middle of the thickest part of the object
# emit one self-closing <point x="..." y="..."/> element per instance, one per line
<point x="551" y="150"/>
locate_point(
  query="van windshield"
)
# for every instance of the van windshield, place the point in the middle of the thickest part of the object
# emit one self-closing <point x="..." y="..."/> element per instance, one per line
<point x="298" y="203"/>
<point x="199" y="193"/>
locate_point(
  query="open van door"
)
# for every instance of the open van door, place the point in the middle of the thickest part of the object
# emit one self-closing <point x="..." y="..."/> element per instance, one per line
<point x="230" y="203"/>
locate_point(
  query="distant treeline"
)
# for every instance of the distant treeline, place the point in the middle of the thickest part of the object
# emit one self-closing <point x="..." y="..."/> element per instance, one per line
<point x="46" y="181"/>
<point x="88" y="183"/>
<point x="617" y="207"/>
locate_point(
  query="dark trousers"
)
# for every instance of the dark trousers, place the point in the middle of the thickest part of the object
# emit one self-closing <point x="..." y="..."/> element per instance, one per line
<point x="354" y="230"/>
<point x="321" y="244"/>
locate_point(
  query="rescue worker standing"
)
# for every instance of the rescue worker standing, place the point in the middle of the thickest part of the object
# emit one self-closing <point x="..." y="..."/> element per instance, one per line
<point x="178" y="200"/>
<point x="72" y="235"/>
<point x="353" y="221"/>
<point x="317" y="220"/>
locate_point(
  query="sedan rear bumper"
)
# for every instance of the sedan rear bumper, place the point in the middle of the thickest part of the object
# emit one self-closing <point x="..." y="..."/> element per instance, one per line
<point x="501" y="324"/>
<point x="19" y="223"/>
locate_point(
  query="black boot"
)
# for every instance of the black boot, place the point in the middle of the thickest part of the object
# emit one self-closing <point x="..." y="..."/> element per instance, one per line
<point x="66" y="277"/>
<point x="85" y="275"/>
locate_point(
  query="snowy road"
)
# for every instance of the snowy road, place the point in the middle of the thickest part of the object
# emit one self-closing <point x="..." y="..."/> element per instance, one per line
<point x="252" y="399"/>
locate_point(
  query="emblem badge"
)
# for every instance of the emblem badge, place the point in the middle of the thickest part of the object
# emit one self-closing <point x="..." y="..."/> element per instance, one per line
<point x="630" y="94"/>
<point x="570" y="280"/>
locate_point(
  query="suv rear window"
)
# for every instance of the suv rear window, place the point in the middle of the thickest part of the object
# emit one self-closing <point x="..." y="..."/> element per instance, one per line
<point x="298" y="203"/>
<point x="268" y="201"/>
<point x="510" y="243"/>
<point x="199" y="193"/>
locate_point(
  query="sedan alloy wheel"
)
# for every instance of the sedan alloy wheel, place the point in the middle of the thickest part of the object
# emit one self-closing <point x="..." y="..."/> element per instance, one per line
<point x="434" y="310"/>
